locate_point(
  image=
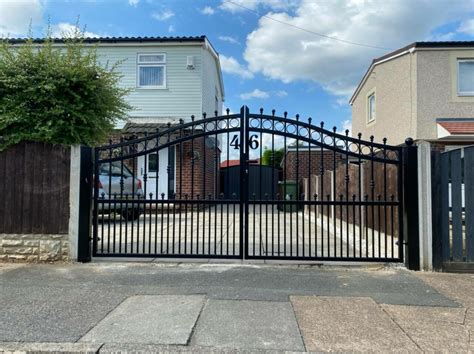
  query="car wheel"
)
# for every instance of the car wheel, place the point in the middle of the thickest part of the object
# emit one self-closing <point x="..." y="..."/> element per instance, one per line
<point x="130" y="215"/>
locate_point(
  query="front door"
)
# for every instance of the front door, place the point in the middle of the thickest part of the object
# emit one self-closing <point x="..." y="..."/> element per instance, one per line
<point x="154" y="174"/>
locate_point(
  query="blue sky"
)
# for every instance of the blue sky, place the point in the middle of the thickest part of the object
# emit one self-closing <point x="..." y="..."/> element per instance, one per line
<point x="267" y="61"/>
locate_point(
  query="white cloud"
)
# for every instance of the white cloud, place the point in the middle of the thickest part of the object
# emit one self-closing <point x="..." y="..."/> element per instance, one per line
<point x="15" y="16"/>
<point x="467" y="27"/>
<point x="263" y="94"/>
<point x="207" y="10"/>
<point x="281" y="93"/>
<point x="163" y="16"/>
<point x="346" y="125"/>
<point x="255" y="94"/>
<point x="133" y="3"/>
<point x="65" y="29"/>
<point x="231" y="66"/>
<point x="288" y="54"/>
<point x="243" y="5"/>
<point x="229" y="39"/>
<point x="171" y="28"/>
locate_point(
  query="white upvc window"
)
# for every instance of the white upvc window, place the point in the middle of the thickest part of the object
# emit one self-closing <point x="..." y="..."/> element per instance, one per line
<point x="371" y="108"/>
<point x="151" y="70"/>
<point x="466" y="77"/>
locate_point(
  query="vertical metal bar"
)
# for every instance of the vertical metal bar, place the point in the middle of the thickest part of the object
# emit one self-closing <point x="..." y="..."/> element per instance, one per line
<point x="340" y="227"/>
<point x="156" y="189"/>
<point x="385" y="193"/>
<point x="209" y="196"/>
<point x="334" y="187"/>
<point x="222" y="219"/>
<point x="366" y="226"/>
<point x="392" y="221"/>
<point x="162" y="222"/>
<point x="227" y="176"/>
<point x="133" y="146"/>
<point x="284" y="196"/>
<point x="244" y="156"/>
<point x="193" y="204"/>
<point x="278" y="218"/>
<point x="186" y="195"/>
<point x="297" y="182"/>
<point x="181" y="151"/>
<point x="204" y="153"/>
<point x="272" y="164"/>
<point x="347" y="180"/>
<point x="372" y="192"/>
<point x="121" y="196"/>
<point x="145" y="179"/>
<point x="379" y="198"/>
<point x="359" y="170"/>
<point x="215" y="170"/>
<point x="321" y="174"/>
<point x="353" y="226"/>
<point x="95" y="235"/>
<point x="198" y="212"/>
<point x="309" y="195"/>
<point x="109" y="196"/>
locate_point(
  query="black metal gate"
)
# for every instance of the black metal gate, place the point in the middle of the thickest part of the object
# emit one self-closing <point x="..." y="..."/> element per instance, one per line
<point x="332" y="196"/>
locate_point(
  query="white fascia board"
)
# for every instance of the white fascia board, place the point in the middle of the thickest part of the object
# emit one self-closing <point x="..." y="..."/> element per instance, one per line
<point x="371" y="68"/>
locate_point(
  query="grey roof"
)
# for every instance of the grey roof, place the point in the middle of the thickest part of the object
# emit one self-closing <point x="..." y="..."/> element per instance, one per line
<point x="197" y="39"/>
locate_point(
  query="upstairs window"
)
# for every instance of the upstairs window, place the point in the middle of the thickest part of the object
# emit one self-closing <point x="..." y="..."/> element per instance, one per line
<point x="466" y="77"/>
<point x="151" y="70"/>
<point x="371" y="108"/>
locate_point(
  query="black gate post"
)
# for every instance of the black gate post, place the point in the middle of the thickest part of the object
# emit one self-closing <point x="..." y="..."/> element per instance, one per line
<point x="85" y="202"/>
<point x="410" y="202"/>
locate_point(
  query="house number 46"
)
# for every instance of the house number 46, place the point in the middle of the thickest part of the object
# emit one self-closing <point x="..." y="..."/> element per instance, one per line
<point x="253" y="142"/>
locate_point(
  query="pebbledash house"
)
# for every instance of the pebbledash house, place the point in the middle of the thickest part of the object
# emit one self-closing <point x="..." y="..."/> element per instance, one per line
<point x="170" y="80"/>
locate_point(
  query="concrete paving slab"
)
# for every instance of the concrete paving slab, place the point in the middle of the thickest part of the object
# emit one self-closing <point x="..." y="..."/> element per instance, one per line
<point x="432" y="328"/>
<point x="72" y="348"/>
<point x="347" y="324"/>
<point x="426" y="313"/>
<point x="149" y="319"/>
<point x="459" y="287"/>
<point x="264" y="325"/>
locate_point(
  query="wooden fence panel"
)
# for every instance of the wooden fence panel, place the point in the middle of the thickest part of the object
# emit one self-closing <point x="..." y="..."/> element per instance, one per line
<point x="456" y="203"/>
<point x="469" y="201"/>
<point x="34" y="189"/>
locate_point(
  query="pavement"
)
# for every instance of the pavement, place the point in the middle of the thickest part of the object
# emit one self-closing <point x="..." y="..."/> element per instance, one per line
<point x="189" y="307"/>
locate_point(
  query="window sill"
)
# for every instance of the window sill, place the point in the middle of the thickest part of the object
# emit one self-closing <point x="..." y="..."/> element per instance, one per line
<point x="151" y="88"/>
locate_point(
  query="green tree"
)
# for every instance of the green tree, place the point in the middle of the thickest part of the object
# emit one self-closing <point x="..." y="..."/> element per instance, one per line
<point x="277" y="156"/>
<point x="57" y="94"/>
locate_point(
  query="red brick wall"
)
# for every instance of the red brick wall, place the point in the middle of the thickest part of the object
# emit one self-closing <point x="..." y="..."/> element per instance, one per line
<point x="202" y="179"/>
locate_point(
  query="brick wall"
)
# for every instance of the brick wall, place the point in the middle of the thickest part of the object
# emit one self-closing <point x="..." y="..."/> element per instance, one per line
<point x="202" y="178"/>
<point x="308" y="163"/>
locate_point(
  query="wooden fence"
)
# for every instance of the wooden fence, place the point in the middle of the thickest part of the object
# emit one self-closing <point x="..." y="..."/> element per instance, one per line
<point x="453" y="209"/>
<point x="34" y="189"/>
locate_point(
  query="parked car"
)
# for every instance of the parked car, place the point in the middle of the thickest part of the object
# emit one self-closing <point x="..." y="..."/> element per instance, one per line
<point x="116" y="181"/>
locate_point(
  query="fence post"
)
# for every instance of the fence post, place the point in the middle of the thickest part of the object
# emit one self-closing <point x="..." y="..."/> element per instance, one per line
<point x="411" y="206"/>
<point x="85" y="202"/>
<point x="437" y="215"/>
<point x="425" y="205"/>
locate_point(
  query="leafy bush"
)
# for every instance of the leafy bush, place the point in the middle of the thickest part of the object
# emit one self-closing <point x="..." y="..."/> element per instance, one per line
<point x="57" y="93"/>
<point x="278" y="155"/>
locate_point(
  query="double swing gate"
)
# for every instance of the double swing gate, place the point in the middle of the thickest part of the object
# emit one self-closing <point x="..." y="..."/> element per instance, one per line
<point x="249" y="185"/>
